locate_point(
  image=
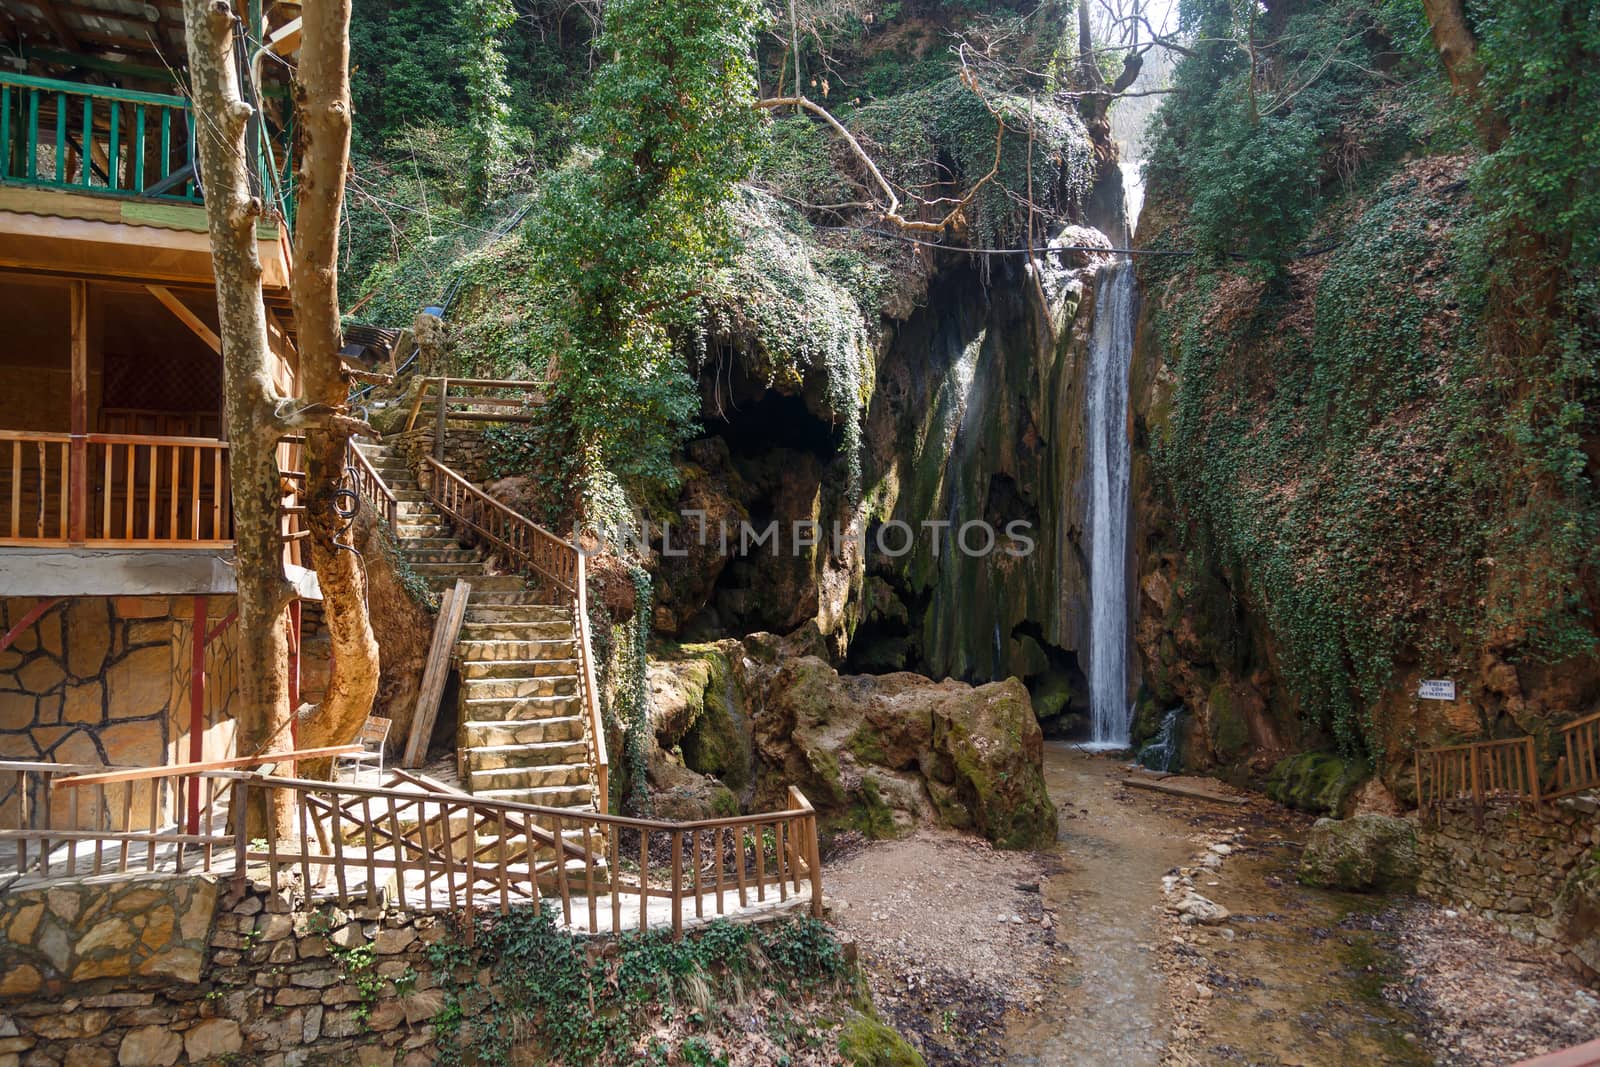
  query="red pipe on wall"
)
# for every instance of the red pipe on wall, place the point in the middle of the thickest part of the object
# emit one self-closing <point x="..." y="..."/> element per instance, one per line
<point x="197" y="707"/>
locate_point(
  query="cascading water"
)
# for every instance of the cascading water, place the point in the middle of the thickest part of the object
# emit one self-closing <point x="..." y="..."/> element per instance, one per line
<point x="1110" y="352"/>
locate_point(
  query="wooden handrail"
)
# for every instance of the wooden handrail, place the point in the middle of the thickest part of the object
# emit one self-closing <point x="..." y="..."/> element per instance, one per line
<point x="435" y="390"/>
<point x="371" y="486"/>
<point x="175" y="770"/>
<point x="439" y="849"/>
<point x="527" y="543"/>
<point x="533" y="548"/>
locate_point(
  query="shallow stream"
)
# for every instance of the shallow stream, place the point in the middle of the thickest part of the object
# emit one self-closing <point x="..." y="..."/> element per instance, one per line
<point x="1295" y="976"/>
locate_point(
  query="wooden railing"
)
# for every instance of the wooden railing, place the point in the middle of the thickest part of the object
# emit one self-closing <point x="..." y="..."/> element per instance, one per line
<point x="95" y="138"/>
<point x="1578" y="759"/>
<point x="427" y="847"/>
<point x="160" y="490"/>
<point x="526" y="544"/>
<point x="369" y="483"/>
<point x="71" y="135"/>
<point x="131" y="491"/>
<point x="1478" y="774"/>
<point x="447" y="851"/>
<point x="530" y="547"/>
<point x="33" y="486"/>
<point x="474" y="400"/>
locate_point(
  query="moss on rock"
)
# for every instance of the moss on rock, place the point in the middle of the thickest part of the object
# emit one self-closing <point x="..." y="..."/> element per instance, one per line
<point x="1317" y="782"/>
<point x="865" y="1041"/>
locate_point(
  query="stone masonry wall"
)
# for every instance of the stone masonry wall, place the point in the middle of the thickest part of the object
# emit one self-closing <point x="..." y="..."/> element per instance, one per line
<point x="104" y="680"/>
<point x="465" y="451"/>
<point x="234" y="983"/>
<point x="1512" y="869"/>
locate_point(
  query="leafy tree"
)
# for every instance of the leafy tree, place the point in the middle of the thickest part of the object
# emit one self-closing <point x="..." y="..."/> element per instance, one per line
<point x="627" y="237"/>
<point x="480" y="26"/>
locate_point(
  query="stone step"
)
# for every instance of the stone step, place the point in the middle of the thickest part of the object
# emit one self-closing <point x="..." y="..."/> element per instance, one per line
<point x="579" y="798"/>
<point x="448" y="570"/>
<point x="478" y="612"/>
<point x="545" y="777"/>
<point x="563" y="683"/>
<point x="518" y="668"/>
<point x="406" y="495"/>
<point x="537" y="648"/>
<point x="406" y="531"/>
<point x="451" y="556"/>
<point x="566" y="752"/>
<point x="487" y="583"/>
<point x="509" y="630"/>
<point x="496" y="598"/>
<point x="521" y="731"/>
<point x="520" y="709"/>
<point x="433" y="544"/>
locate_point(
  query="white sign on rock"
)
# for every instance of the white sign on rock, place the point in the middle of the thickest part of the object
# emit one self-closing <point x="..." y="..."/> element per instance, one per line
<point x="1436" y="689"/>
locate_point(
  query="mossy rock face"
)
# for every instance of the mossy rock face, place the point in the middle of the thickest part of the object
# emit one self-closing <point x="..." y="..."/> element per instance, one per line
<point x="715" y="746"/>
<point x="1316" y="782"/>
<point x="1366" y="852"/>
<point x="868" y="1042"/>
<point x="1226" y="728"/>
<point x="1577" y="910"/>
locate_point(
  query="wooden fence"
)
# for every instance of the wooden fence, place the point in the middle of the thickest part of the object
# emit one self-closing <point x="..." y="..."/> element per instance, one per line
<point x="1478" y="774"/>
<point x="424" y="846"/>
<point x="473" y="400"/>
<point x="1578" y="758"/>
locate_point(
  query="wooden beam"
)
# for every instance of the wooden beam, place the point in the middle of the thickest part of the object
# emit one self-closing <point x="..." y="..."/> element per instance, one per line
<point x="189" y="318"/>
<point x="78" y="446"/>
<point x="62" y="31"/>
<point x="285" y="40"/>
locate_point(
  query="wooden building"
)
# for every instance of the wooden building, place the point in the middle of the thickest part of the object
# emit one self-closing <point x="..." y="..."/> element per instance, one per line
<point x="115" y="519"/>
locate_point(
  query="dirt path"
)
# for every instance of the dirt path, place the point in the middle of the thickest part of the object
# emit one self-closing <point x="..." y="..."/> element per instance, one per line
<point x="952" y="934"/>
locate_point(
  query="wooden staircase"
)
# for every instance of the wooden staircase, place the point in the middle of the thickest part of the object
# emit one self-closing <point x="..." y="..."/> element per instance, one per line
<point x="522" y="733"/>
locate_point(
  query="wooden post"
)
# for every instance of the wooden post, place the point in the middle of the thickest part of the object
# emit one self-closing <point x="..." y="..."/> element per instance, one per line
<point x="1533" y="773"/>
<point x="197" y="707"/>
<point x="677" y="886"/>
<point x="1477" y="792"/>
<point x="78" y="465"/>
<point x="294" y="656"/>
<point x="438" y="421"/>
<point x="814" y="860"/>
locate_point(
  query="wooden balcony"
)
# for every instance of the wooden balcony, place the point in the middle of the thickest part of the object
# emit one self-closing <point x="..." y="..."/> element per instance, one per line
<point x="97" y="181"/>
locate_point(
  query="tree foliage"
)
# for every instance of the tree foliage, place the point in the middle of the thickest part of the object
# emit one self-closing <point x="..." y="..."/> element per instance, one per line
<point x="626" y="237"/>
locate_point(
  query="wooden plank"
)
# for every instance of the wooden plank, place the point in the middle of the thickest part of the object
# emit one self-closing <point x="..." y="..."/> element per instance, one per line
<point x="285" y="40"/>
<point x="452" y="611"/>
<point x="176" y="769"/>
<point x="1182" y="791"/>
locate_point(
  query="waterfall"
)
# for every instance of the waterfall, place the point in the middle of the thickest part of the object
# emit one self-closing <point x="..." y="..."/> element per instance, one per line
<point x="1110" y="351"/>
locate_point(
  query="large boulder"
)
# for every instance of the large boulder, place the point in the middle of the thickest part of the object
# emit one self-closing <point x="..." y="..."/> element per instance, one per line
<point x="1361" y="853"/>
<point x="878" y="753"/>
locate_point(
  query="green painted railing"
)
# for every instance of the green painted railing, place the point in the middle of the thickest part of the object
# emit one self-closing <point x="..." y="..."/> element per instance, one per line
<point x="73" y="136"/>
<point x="68" y="135"/>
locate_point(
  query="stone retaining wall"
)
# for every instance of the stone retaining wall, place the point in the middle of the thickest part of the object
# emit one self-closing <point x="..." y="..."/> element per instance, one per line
<point x="465" y="451"/>
<point x="156" y="970"/>
<point x="1511" y="870"/>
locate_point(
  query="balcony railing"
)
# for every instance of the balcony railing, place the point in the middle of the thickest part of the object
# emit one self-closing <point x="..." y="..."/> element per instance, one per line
<point x="133" y="491"/>
<point x="68" y="135"/>
<point x="94" y="138"/>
